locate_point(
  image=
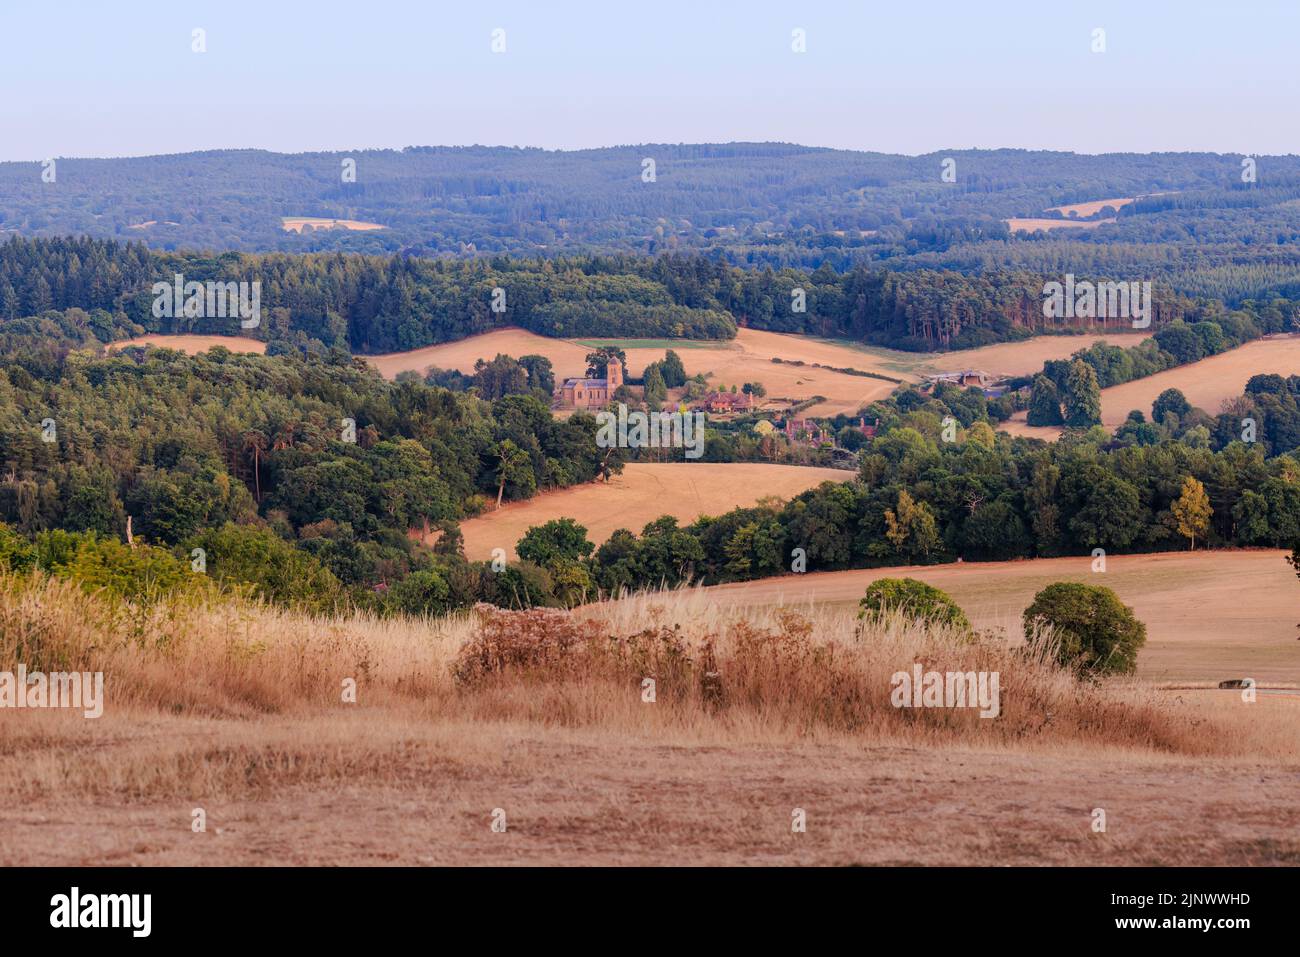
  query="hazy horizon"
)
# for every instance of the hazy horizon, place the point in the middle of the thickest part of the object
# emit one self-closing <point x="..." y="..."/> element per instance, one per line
<point x="610" y="146"/>
<point x="332" y="76"/>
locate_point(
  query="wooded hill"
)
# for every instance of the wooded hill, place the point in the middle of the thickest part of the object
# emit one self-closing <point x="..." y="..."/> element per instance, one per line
<point x="374" y="304"/>
<point x="1197" y="225"/>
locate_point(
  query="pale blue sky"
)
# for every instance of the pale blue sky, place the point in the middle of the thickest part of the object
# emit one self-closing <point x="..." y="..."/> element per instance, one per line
<point x="102" y="78"/>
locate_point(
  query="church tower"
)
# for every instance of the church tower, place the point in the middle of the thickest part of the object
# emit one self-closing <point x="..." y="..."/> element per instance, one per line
<point x="614" y="373"/>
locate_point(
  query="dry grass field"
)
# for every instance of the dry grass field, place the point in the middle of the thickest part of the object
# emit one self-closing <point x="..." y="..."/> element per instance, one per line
<point x="568" y="358"/>
<point x="1207" y="384"/>
<point x="643" y="492"/>
<point x="1210" y="615"/>
<point x="1091" y="208"/>
<point x="1034" y="225"/>
<point x="295" y="224"/>
<point x="758" y="711"/>
<point x="191" y="345"/>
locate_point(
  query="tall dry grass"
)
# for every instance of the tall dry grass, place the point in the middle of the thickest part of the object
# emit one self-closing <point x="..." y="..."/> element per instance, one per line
<point x="753" y="673"/>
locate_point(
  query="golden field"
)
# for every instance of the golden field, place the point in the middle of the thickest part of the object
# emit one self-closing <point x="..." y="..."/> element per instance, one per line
<point x="295" y="224"/>
<point x="643" y="492"/>
<point x="1210" y="615"/>
<point x="1207" y="384"/>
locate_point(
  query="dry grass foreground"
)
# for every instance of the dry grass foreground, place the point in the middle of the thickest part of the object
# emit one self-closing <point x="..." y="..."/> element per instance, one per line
<point x="237" y="710"/>
<point x="1207" y="384"/>
<point x="643" y="492"/>
<point x="1210" y="615"/>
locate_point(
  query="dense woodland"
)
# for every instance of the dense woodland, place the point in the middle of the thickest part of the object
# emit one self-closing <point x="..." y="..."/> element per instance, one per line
<point x="374" y="304"/>
<point x="1200" y="229"/>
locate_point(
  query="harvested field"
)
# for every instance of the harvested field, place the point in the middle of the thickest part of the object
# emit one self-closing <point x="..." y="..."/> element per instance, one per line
<point x="1206" y="384"/>
<point x="296" y="224"/>
<point x="1034" y="225"/>
<point x="1210" y="615"/>
<point x="1091" y="208"/>
<point x="642" y="493"/>
<point x="192" y="345"/>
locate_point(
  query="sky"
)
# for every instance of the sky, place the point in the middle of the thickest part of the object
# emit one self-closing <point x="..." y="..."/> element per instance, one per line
<point x="898" y="76"/>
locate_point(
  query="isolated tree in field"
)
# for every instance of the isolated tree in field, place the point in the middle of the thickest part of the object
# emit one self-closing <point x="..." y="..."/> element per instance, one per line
<point x="1082" y="396"/>
<point x="1044" y="403"/>
<point x="1192" y="510"/>
<point x="1096" y="632"/>
<point x="915" y="599"/>
<point x="559" y="539"/>
<point x="514" y="466"/>
<point x="1171" y="400"/>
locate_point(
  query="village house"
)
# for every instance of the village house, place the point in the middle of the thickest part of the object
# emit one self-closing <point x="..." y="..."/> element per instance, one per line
<point x="726" y="402"/>
<point x="592" y="393"/>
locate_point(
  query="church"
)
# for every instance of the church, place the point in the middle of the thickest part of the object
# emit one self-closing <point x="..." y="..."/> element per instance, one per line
<point x="592" y="393"/>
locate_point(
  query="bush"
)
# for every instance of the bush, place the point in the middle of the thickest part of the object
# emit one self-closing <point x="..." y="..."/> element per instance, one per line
<point x="915" y="599"/>
<point x="1096" y="632"/>
<point x="560" y="539"/>
<point x="421" y="593"/>
<point x="275" y="569"/>
<point x="142" y="574"/>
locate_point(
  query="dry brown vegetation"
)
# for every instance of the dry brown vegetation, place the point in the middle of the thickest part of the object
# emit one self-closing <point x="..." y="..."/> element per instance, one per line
<point x="238" y="709"/>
